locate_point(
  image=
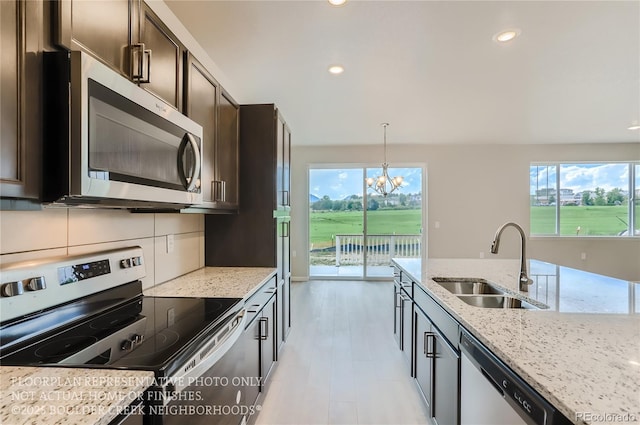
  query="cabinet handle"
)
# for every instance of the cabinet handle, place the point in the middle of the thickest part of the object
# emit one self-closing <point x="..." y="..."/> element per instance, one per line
<point x="285" y="229"/>
<point x="429" y="348"/>
<point x="264" y="334"/>
<point x="285" y="198"/>
<point x="219" y="189"/>
<point x="140" y="62"/>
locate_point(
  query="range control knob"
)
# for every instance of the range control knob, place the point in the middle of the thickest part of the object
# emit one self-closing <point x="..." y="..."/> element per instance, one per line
<point x="12" y="289"/>
<point x="126" y="263"/>
<point x="35" y="284"/>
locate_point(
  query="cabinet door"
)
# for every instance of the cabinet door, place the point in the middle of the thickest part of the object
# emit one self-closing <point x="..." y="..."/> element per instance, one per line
<point x="20" y="99"/>
<point x="280" y="126"/>
<point x="446" y="378"/>
<point x="286" y="166"/>
<point x="397" y="316"/>
<point x="252" y="344"/>
<point x="407" y="329"/>
<point x="227" y="153"/>
<point x="424" y="358"/>
<point x="201" y="105"/>
<point x="267" y="340"/>
<point x="162" y="75"/>
<point x="100" y="27"/>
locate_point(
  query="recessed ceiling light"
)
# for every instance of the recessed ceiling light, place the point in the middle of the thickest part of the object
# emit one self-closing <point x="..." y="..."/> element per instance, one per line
<point x="336" y="69"/>
<point x="337" y="2"/>
<point x="634" y="127"/>
<point x="506" y="35"/>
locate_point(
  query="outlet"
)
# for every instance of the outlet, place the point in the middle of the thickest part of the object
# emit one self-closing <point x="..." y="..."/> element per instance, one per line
<point x="437" y="224"/>
<point x="583" y="256"/>
<point x="170" y="243"/>
<point x="481" y="254"/>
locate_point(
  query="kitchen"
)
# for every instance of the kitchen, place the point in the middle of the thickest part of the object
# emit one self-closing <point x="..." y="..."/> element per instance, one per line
<point x="176" y="244"/>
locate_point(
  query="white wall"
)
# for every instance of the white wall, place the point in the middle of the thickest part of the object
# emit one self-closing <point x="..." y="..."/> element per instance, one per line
<point x="472" y="190"/>
<point x="27" y="235"/>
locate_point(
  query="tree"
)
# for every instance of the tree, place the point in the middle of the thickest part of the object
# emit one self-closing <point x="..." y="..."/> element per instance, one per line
<point x="586" y="198"/>
<point x="600" y="197"/>
<point x="615" y="196"/>
<point x="552" y="199"/>
<point x="373" y="205"/>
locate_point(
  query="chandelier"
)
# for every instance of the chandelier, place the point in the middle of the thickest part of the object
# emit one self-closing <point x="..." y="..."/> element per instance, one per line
<point x="383" y="184"/>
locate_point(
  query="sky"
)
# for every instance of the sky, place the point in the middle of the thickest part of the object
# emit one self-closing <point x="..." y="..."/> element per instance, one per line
<point x="581" y="177"/>
<point x="339" y="183"/>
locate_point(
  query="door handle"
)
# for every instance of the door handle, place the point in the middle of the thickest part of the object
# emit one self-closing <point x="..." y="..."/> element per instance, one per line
<point x="140" y="63"/>
<point x="430" y="348"/>
<point x="264" y="334"/>
<point x="219" y="190"/>
<point x="189" y="174"/>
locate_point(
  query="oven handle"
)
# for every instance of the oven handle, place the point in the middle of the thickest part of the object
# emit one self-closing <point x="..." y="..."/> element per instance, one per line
<point x="197" y="366"/>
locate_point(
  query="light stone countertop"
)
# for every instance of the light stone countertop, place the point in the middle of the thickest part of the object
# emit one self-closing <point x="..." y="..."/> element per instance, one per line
<point x="215" y="282"/>
<point x="55" y="396"/>
<point x="582" y="353"/>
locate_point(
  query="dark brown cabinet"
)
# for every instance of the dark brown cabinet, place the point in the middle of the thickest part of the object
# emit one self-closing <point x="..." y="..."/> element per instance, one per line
<point x="259" y="234"/>
<point x="226" y="187"/>
<point x="161" y="56"/>
<point x="259" y="340"/>
<point x="129" y="37"/>
<point x="211" y="107"/>
<point x="20" y="101"/>
<point x="103" y="28"/>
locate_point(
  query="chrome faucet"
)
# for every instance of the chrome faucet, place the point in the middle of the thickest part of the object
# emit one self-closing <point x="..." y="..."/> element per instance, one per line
<point x="524" y="280"/>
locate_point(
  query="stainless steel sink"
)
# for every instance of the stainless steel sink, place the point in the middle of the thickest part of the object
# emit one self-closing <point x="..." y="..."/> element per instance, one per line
<point x="482" y="293"/>
<point x="467" y="286"/>
<point x="496" y="301"/>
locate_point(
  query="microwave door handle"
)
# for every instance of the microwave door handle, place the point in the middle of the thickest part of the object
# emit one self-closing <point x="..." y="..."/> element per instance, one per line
<point x="191" y="181"/>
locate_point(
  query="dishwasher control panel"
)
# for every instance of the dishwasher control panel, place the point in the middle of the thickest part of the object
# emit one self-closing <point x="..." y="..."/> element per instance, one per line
<point x="532" y="407"/>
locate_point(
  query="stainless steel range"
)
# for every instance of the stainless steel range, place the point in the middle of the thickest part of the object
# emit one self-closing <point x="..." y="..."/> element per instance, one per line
<point x="89" y="311"/>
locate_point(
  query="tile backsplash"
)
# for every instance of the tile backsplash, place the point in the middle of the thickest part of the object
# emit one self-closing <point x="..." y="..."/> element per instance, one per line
<point x="27" y="235"/>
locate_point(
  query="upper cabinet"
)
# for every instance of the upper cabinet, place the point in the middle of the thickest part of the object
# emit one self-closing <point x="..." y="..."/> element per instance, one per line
<point x="227" y="152"/>
<point x="129" y="37"/>
<point x="160" y="54"/>
<point x="20" y="101"/>
<point x="217" y="113"/>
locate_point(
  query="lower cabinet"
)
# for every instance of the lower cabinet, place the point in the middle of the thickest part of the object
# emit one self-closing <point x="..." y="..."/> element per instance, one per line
<point x="437" y="371"/>
<point x="259" y="340"/>
<point x="428" y="337"/>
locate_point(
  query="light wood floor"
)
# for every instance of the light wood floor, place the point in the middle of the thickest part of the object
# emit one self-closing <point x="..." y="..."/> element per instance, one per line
<point x="340" y="364"/>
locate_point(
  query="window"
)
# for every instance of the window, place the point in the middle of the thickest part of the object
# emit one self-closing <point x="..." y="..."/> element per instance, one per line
<point x="585" y="199"/>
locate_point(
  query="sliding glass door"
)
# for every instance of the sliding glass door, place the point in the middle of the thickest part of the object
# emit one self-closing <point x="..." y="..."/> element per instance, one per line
<point x="354" y="231"/>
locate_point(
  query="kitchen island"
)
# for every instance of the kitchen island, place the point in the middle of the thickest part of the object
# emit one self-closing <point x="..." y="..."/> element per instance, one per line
<point x="582" y="353"/>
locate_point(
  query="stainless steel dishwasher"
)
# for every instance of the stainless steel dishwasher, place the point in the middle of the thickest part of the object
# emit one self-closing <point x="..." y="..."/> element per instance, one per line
<point x="492" y="394"/>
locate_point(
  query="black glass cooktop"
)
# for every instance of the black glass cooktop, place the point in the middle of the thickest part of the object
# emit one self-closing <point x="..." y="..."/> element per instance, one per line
<point x="149" y="333"/>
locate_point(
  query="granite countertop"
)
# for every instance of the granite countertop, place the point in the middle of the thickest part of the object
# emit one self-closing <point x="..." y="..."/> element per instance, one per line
<point x="51" y="396"/>
<point x="221" y="282"/>
<point x="582" y="353"/>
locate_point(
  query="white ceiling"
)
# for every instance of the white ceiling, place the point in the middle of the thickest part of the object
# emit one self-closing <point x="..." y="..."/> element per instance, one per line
<point x="430" y="68"/>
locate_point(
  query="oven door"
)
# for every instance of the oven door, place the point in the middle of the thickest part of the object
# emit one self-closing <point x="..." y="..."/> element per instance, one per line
<point x="209" y="391"/>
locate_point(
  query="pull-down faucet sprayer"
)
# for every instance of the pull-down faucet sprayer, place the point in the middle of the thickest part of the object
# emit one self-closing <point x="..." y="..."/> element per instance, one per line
<point x="524" y="280"/>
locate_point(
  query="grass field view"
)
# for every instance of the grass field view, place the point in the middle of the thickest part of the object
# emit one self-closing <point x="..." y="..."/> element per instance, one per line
<point x="580" y="220"/>
<point x="324" y="225"/>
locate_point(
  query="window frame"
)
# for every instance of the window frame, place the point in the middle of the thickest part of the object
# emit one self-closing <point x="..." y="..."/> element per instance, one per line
<point x="633" y="201"/>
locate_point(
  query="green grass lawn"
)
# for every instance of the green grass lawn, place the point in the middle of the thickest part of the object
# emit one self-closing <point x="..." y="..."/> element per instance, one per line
<point x="593" y="220"/>
<point x="324" y="225"/>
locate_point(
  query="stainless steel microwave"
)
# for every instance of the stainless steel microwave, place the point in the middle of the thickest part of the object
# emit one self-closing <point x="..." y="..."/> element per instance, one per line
<point x="108" y="142"/>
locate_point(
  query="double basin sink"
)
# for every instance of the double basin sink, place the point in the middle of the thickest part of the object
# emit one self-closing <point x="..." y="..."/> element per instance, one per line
<point x="481" y="293"/>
